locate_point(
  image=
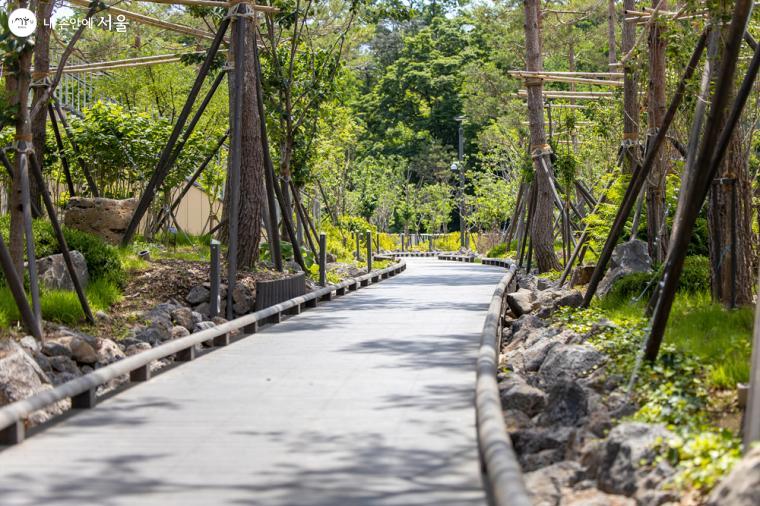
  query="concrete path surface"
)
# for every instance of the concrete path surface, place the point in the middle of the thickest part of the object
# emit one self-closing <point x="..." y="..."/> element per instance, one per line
<point x="366" y="400"/>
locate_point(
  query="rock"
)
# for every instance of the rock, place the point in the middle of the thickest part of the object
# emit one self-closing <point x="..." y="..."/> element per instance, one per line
<point x="535" y="440"/>
<point x="742" y="486"/>
<point x="109" y="352"/>
<point x="197" y="318"/>
<point x="179" y="331"/>
<point x="569" y="361"/>
<point x="582" y="275"/>
<point x="521" y="396"/>
<point x="30" y="343"/>
<point x="183" y="316"/>
<point x="66" y="332"/>
<point x="203" y="326"/>
<point x="243" y="299"/>
<point x="63" y="364"/>
<point x="55" y="348"/>
<point x="593" y="497"/>
<point x="134" y="349"/>
<point x="197" y="295"/>
<point x="626" y="455"/>
<point x="516" y="420"/>
<point x="545" y="485"/>
<point x="154" y="335"/>
<point x="82" y="352"/>
<point x="568" y="298"/>
<point x="521" y="301"/>
<point x="567" y="404"/>
<point x="102" y="316"/>
<point x="107" y="218"/>
<point x="522" y="328"/>
<point x="534" y="356"/>
<point x="627" y="258"/>
<point x="54" y="275"/>
<point x="543" y="283"/>
<point x="22" y="377"/>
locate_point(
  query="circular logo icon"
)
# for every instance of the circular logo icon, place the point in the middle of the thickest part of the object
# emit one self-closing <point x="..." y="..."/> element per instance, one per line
<point x="22" y="22"/>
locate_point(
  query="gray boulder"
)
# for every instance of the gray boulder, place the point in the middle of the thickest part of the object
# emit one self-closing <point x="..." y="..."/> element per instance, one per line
<point x="534" y="356"/>
<point x="567" y="404"/>
<point x="521" y="301"/>
<point x="22" y="377"/>
<point x="593" y="497"/>
<point x="197" y="295"/>
<point x="243" y="299"/>
<point x="107" y="218"/>
<point x="134" y="349"/>
<point x="203" y="326"/>
<point x="523" y="397"/>
<point x="627" y="258"/>
<point x="54" y="275"/>
<point x="569" y="361"/>
<point x="183" y="316"/>
<point x="627" y="455"/>
<point x="109" y="352"/>
<point x="545" y="485"/>
<point x="179" y="331"/>
<point x="582" y="275"/>
<point x="742" y="486"/>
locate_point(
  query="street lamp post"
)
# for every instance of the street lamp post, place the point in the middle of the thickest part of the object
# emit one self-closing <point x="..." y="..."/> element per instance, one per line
<point x="462" y="210"/>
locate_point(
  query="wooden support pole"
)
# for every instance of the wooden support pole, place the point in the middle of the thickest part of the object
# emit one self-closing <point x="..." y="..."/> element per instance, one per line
<point x="640" y="174"/>
<point x="161" y="168"/>
<point x="61" y="153"/>
<point x="56" y="226"/>
<point x="82" y="165"/>
<point x="16" y="287"/>
<point x="711" y="153"/>
<point x="22" y="152"/>
<point x="322" y="259"/>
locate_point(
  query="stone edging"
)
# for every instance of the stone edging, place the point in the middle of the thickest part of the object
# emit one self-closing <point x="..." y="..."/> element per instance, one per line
<point x="82" y="390"/>
<point x="502" y="476"/>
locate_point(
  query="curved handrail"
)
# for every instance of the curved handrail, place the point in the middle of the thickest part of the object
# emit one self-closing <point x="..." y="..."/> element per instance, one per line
<point x="18" y="411"/>
<point x="502" y="475"/>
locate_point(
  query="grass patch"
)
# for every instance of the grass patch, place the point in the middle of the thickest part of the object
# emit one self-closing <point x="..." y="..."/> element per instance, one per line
<point x="61" y="306"/>
<point x="102" y="294"/>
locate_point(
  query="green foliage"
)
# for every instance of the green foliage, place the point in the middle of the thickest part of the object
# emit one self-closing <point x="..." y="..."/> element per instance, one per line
<point x="61" y="306"/>
<point x="498" y="251"/>
<point x="103" y="260"/>
<point x="102" y="294"/>
<point x="703" y="457"/>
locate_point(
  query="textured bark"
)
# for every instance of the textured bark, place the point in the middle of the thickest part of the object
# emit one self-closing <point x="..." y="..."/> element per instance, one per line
<point x="41" y="64"/>
<point x="541" y="223"/>
<point x="657" y="237"/>
<point x="252" y="195"/>
<point x="17" y="87"/>
<point x="611" y="20"/>
<point x="630" y="95"/>
<point x="734" y="170"/>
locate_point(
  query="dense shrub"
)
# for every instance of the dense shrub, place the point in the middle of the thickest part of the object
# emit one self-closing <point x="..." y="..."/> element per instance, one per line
<point x="102" y="258"/>
<point x="695" y="278"/>
<point x="497" y="251"/>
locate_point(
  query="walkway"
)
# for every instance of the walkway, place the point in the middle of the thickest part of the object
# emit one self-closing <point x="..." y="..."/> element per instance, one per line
<point x="366" y="400"/>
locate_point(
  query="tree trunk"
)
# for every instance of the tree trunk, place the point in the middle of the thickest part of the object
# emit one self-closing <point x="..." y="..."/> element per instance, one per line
<point x="17" y="86"/>
<point x="611" y="20"/>
<point x="731" y="199"/>
<point x="252" y="160"/>
<point x="630" y="97"/>
<point x="656" y="230"/>
<point x="41" y="69"/>
<point x="542" y="223"/>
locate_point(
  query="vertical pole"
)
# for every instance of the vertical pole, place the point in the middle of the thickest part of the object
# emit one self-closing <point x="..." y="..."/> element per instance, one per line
<point x="368" y="235"/>
<point x="216" y="278"/>
<point x="358" y="246"/>
<point x="55" y="224"/>
<point x="733" y="243"/>
<point x="322" y="259"/>
<point x="430" y="242"/>
<point x="235" y="153"/>
<point x="751" y="429"/>
<point x="26" y="207"/>
<point x="16" y="286"/>
<point x="401" y="238"/>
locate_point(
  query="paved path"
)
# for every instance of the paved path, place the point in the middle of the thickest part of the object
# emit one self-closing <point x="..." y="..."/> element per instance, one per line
<point x="367" y="400"/>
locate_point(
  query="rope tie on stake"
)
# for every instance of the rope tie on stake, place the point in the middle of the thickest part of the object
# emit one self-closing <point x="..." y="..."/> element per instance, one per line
<point x="539" y="151"/>
<point x="40" y="80"/>
<point x="533" y="81"/>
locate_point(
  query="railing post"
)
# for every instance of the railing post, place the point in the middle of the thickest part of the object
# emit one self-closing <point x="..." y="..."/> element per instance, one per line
<point x="215" y="279"/>
<point x="368" y="235"/>
<point x="403" y="246"/>
<point x="322" y="259"/>
<point x="358" y="246"/>
<point x="430" y="241"/>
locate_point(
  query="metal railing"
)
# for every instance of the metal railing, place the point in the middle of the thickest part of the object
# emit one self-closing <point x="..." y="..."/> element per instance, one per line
<point x="82" y="390"/>
<point x="502" y="476"/>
